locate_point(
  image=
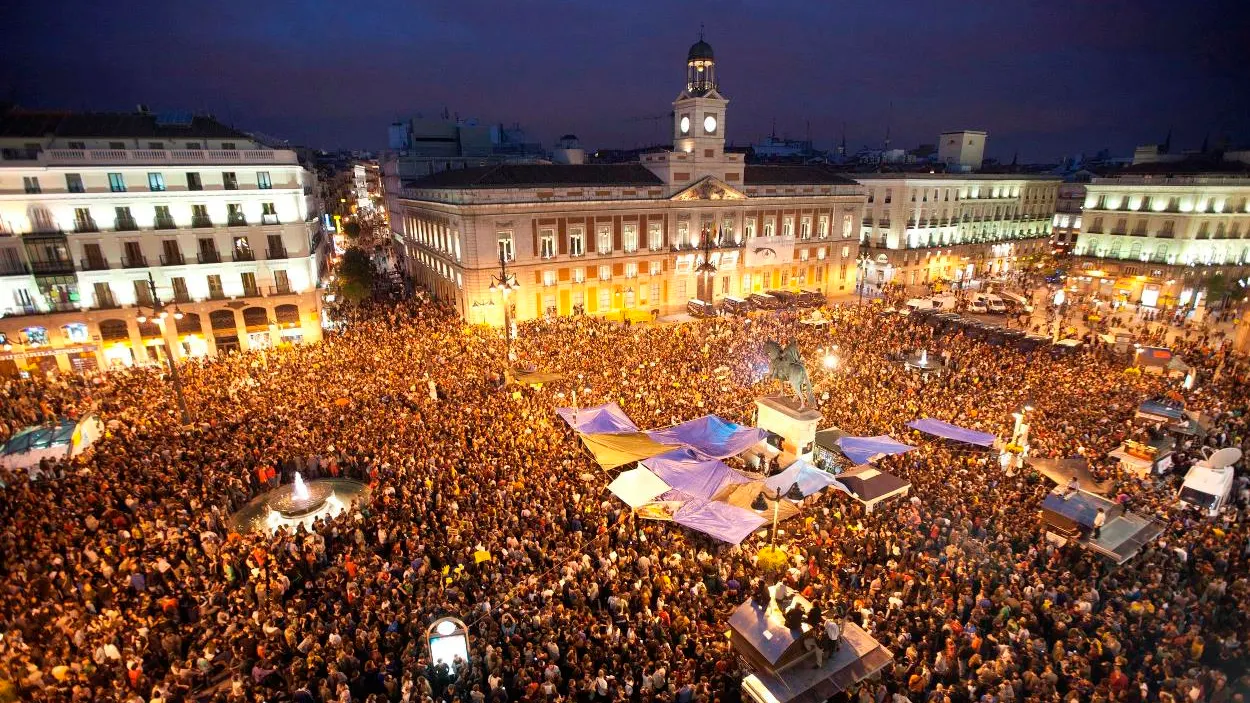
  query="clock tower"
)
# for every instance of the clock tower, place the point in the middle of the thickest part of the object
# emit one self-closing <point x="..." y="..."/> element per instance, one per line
<point x="699" y="111"/>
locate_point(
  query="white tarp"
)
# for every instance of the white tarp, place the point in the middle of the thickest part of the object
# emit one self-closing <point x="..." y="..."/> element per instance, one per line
<point x="638" y="487"/>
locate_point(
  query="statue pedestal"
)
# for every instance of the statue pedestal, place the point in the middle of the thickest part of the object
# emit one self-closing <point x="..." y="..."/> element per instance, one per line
<point x="795" y="425"/>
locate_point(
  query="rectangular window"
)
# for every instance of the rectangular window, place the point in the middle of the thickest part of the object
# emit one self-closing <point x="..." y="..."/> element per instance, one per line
<point x="83" y="222"/>
<point x="181" y="294"/>
<point x="268" y="214"/>
<point x="629" y="239"/>
<point x="683" y="233"/>
<point x="228" y="146"/>
<point x="263" y="181"/>
<point x="73" y="183"/>
<point x="577" y="241"/>
<point x="117" y="183"/>
<point x="193" y="181"/>
<point x="143" y="292"/>
<point x="787" y="226"/>
<point x="655" y="268"/>
<point x="103" y="295"/>
<point x="549" y="277"/>
<point x="579" y="275"/>
<point x="156" y="182"/>
<point x="156" y="145"/>
<point x="248" y="279"/>
<point x="546" y="243"/>
<point x="603" y="239"/>
<point x="32" y="184"/>
<point x="506" y="252"/>
<point x="631" y="269"/>
<point x="748" y="228"/>
<point x="229" y="180"/>
<point x="163" y="219"/>
<point x="605" y="272"/>
<point x="822" y="226"/>
<point x="171" y="255"/>
<point x="234" y="215"/>
<point x="655" y="236"/>
<point x="281" y="283"/>
<point x="769" y="226"/>
<point x="78" y="145"/>
<point x="199" y="216"/>
<point x="277" y="250"/>
<point x="805" y="228"/>
<point x="125" y="221"/>
<point x="605" y="299"/>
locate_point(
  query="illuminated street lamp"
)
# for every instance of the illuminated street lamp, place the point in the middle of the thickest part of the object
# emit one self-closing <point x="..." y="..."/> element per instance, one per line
<point x="505" y="283"/>
<point x="159" y="314"/>
<point x="1060" y="298"/>
<point x="760" y="504"/>
<point x="861" y="264"/>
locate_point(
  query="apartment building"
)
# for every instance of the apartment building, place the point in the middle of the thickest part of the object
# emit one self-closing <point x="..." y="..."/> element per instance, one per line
<point x="96" y="208"/>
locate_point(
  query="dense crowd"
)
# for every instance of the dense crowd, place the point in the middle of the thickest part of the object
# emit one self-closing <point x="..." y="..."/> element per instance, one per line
<point x="124" y="579"/>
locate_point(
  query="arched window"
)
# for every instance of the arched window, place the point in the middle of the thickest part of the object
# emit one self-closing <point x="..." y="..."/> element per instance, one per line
<point x="189" y="324"/>
<point x="255" y="318"/>
<point x="223" y="320"/>
<point x="114" y="330"/>
<point x="287" y="315"/>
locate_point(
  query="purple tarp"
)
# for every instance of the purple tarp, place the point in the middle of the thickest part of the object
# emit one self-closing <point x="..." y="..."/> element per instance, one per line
<point x="723" y="521"/>
<point x="683" y="469"/>
<point x="810" y="479"/>
<point x="861" y="450"/>
<point x="598" y="419"/>
<point x="711" y="436"/>
<point x="948" y="431"/>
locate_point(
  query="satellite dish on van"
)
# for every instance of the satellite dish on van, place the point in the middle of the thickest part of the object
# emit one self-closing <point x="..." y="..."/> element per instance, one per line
<point x="1224" y="457"/>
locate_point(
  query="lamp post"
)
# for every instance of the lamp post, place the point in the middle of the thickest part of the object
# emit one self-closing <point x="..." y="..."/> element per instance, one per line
<point x="706" y="270"/>
<point x="159" y="314"/>
<point x="505" y="283"/>
<point x="1060" y="296"/>
<point x="861" y="264"/>
<point x="761" y="504"/>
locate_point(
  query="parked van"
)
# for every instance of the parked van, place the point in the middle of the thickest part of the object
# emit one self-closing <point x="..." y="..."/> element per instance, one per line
<point x="945" y="303"/>
<point x="977" y="304"/>
<point x="1016" y="303"/>
<point x="995" y="304"/>
<point x="735" y="306"/>
<point x="918" y="304"/>
<point x="1209" y="484"/>
<point x="764" y="301"/>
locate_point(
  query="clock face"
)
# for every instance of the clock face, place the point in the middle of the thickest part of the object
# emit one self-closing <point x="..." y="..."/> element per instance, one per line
<point x="685" y="124"/>
<point x="709" y="124"/>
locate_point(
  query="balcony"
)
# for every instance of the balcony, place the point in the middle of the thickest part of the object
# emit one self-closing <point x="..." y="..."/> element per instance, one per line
<point x="125" y="224"/>
<point x="281" y="290"/>
<point x="134" y="262"/>
<point x="92" y="263"/>
<point x="84" y="226"/>
<point x="216" y="294"/>
<point x="53" y="266"/>
<point x="201" y="222"/>
<point x="164" y="223"/>
<point x="208" y="256"/>
<point x="279" y="253"/>
<point x="251" y="292"/>
<point x="62" y="306"/>
<point x="13" y="268"/>
<point x="269" y="220"/>
<point x="236" y="221"/>
<point x="105" y="302"/>
<point x="243" y="255"/>
<point x="173" y="259"/>
<point x="101" y="157"/>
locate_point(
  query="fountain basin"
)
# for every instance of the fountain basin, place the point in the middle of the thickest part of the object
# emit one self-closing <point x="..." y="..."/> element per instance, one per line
<point x="282" y="508"/>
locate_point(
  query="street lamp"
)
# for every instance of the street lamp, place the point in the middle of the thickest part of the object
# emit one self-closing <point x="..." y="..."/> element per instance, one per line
<point x="159" y="314"/>
<point x="861" y="264"/>
<point x="1060" y="297"/>
<point x="505" y="283"/>
<point x="706" y="270"/>
<point x="760" y="504"/>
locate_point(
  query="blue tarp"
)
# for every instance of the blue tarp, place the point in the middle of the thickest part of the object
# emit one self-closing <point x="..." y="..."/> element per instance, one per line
<point x="711" y="436"/>
<point x="861" y="450"/>
<point x="810" y="479"/>
<point x="725" y="522"/>
<point x="684" y="470"/>
<point x="948" y="431"/>
<point x="598" y="419"/>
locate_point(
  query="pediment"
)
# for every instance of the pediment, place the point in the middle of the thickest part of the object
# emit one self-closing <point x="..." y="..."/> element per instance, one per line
<point x="709" y="188"/>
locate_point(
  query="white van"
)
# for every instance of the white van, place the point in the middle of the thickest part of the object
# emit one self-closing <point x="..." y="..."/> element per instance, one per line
<point x="995" y="304"/>
<point x="945" y="303"/>
<point x="1209" y="483"/>
<point x="918" y="304"/>
<point x="977" y="304"/>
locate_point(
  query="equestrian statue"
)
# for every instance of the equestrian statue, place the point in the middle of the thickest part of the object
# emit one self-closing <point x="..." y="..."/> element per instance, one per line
<point x="787" y="365"/>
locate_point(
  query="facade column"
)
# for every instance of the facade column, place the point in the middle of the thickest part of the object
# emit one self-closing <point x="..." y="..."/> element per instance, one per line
<point x="138" y="353"/>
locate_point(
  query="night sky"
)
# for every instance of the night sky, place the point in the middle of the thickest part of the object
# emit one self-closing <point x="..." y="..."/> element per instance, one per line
<point x="1045" y="78"/>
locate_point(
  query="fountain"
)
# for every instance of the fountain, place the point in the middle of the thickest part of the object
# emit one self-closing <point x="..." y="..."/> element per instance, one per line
<point x="924" y="360"/>
<point x="300" y="492"/>
<point x="299" y="503"/>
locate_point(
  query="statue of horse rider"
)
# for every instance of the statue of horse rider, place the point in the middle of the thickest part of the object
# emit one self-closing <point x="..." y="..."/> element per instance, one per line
<point x="787" y="365"/>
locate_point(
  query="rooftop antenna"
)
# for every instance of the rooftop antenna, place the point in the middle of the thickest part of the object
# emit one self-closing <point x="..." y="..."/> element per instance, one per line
<point x="842" y="148"/>
<point x="700" y="31"/>
<point x="773" y="136"/>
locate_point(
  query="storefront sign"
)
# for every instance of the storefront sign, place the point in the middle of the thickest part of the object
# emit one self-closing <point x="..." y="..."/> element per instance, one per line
<point x="48" y="351"/>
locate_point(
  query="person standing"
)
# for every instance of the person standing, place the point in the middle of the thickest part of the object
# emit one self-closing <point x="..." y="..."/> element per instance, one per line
<point x="1099" y="519"/>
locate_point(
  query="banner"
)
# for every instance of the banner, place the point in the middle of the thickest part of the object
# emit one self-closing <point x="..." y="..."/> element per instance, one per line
<point x="769" y="251"/>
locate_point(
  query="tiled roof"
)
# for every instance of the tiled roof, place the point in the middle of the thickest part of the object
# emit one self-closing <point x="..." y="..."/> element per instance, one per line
<point x="797" y="174"/>
<point x="19" y="123"/>
<point x="538" y="175"/>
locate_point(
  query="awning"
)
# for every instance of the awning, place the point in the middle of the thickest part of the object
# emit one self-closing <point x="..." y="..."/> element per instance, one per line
<point x="744" y="494"/>
<point x="711" y="436"/>
<point x="862" y="450"/>
<point x="686" y="471"/>
<point x="870" y="484"/>
<point x="637" y="487"/>
<point x="1063" y="470"/>
<point x="725" y="522"/>
<point x="601" y="418"/>
<point x="810" y="479"/>
<point x="617" y="449"/>
<point x="948" y="431"/>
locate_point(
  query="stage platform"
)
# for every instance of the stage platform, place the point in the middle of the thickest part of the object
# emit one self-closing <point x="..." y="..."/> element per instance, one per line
<point x="1123" y="534"/>
<point x="860" y="657"/>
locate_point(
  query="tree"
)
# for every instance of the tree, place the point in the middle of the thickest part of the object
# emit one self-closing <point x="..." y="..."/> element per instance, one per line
<point x="1217" y="288"/>
<point x="355" y="276"/>
<point x="351" y="229"/>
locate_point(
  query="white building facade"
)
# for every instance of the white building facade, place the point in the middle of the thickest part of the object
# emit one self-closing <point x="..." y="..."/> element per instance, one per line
<point x="94" y="207"/>
<point x="1156" y="239"/>
<point x="921" y="228"/>
<point x="627" y="239"/>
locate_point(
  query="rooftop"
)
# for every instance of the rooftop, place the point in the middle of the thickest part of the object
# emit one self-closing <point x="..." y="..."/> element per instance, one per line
<point x="539" y="175"/>
<point x="794" y="174"/>
<point x="22" y="123"/>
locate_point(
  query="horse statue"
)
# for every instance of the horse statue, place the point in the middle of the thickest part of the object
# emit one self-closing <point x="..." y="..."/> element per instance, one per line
<point x="787" y="365"/>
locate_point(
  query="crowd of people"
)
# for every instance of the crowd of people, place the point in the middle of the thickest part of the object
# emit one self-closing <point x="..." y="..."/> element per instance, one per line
<point x="126" y="580"/>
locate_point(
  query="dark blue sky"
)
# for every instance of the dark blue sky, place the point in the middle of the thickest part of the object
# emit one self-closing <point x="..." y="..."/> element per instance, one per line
<point x="1045" y="77"/>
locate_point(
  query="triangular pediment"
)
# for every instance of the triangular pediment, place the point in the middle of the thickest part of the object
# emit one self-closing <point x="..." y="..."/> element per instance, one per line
<point x="713" y="94"/>
<point x="709" y="188"/>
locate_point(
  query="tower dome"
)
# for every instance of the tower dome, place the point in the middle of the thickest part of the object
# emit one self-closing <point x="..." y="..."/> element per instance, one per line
<point x="700" y="50"/>
<point x="700" y="68"/>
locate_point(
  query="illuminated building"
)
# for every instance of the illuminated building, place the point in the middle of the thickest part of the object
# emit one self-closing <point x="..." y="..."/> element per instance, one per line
<point x="91" y="204"/>
<point x="625" y="239"/>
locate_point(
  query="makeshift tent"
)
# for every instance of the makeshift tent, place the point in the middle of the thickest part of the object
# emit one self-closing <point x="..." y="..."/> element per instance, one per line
<point x="949" y="431"/>
<point x="1161" y="410"/>
<point x="810" y="479"/>
<point x="601" y="418"/>
<point x="725" y="522"/>
<point x="619" y="448"/>
<point x="862" y="450"/>
<point x="870" y="485"/>
<point x="637" y="487"/>
<point x="743" y="496"/>
<point x="711" y="436"/>
<point x="684" y="470"/>
<point x="1063" y="470"/>
<point x="60" y="440"/>
<point x="532" y="378"/>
